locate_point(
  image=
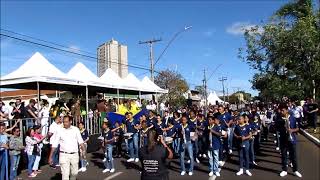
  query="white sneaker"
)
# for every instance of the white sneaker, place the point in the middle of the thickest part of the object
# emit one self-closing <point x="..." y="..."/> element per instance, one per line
<point x="104" y="159"/>
<point x="84" y="169"/>
<point x="197" y="160"/>
<point x="217" y="174"/>
<point x="210" y="174"/>
<point x="221" y="163"/>
<point x="136" y="160"/>
<point x="200" y="155"/>
<point x="297" y="174"/>
<point x="274" y="135"/>
<point x="275" y="141"/>
<point x="277" y="148"/>
<point x="230" y="151"/>
<point x="290" y="165"/>
<point x="283" y="173"/>
<point x="188" y="162"/>
<point x="105" y="170"/>
<point x="58" y="165"/>
<point x="190" y="173"/>
<point x="80" y="170"/>
<point x="112" y="170"/>
<point x="253" y="162"/>
<point x="130" y="160"/>
<point x="183" y="173"/>
<point x="204" y="155"/>
<point x="239" y="172"/>
<point x="248" y="173"/>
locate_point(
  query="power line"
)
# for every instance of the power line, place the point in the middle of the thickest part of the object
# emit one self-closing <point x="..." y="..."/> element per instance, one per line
<point x="70" y="52"/>
<point x="49" y="42"/>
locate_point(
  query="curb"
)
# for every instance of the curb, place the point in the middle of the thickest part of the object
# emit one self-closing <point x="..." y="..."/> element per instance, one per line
<point x="310" y="137"/>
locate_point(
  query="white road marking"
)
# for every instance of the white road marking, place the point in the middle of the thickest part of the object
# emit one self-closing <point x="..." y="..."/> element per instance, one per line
<point x="113" y="176"/>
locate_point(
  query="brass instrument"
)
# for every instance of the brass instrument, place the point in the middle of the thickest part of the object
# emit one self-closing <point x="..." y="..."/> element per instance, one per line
<point x="287" y="125"/>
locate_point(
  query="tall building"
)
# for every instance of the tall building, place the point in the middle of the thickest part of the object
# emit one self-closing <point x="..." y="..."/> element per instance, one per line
<point x="112" y="55"/>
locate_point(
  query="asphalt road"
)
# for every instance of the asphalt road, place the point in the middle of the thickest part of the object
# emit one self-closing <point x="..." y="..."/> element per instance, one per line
<point x="269" y="166"/>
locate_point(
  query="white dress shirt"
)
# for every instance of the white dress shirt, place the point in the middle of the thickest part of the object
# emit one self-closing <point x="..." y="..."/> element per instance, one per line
<point x="69" y="139"/>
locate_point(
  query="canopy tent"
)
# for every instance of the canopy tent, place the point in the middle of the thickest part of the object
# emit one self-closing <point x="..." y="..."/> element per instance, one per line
<point x="110" y="77"/>
<point x="82" y="73"/>
<point x="132" y="81"/>
<point x="36" y="69"/>
<point x="213" y="98"/>
<point x="146" y="82"/>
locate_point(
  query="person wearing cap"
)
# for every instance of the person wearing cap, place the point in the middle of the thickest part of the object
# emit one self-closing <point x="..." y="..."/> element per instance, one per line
<point x="242" y="134"/>
<point x="69" y="139"/>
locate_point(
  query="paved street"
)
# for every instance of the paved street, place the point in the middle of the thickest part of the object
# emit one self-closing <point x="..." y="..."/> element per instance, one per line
<point x="268" y="166"/>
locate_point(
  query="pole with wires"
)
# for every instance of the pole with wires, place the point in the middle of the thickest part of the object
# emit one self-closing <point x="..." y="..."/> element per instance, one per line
<point x="150" y="43"/>
<point x="222" y="79"/>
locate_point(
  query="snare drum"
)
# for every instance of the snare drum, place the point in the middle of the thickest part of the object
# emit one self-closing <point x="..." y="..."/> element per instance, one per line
<point x="168" y="140"/>
<point x="128" y="135"/>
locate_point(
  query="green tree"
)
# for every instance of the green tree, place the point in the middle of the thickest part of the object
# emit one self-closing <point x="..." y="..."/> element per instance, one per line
<point x="176" y="86"/>
<point x="286" y="52"/>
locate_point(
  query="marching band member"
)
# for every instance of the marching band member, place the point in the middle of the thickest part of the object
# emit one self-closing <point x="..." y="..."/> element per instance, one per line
<point x="177" y="139"/>
<point x="109" y="139"/>
<point x="185" y="145"/>
<point x="254" y="130"/>
<point x="227" y="122"/>
<point x="133" y="127"/>
<point x="194" y="135"/>
<point x="242" y="134"/>
<point x="159" y="125"/>
<point x="288" y="128"/>
<point x="119" y="138"/>
<point x="255" y="117"/>
<point x="202" y="135"/>
<point x="215" y="132"/>
<point x="85" y="136"/>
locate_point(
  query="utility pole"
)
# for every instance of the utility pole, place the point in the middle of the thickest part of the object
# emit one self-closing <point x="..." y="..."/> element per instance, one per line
<point x="222" y="79"/>
<point x="150" y="43"/>
<point x="205" y="91"/>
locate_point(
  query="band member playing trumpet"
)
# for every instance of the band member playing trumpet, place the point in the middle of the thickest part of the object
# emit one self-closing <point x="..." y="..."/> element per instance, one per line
<point x="185" y="145"/>
<point x="288" y="128"/>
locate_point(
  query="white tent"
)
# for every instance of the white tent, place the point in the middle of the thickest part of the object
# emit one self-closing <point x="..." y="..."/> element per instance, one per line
<point x="82" y="73"/>
<point x="131" y="81"/>
<point x="213" y="98"/>
<point x="37" y="69"/>
<point x="110" y="77"/>
<point x="146" y="82"/>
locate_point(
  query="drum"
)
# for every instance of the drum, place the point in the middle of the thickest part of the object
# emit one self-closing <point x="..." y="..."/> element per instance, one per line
<point x="193" y="136"/>
<point x="168" y="140"/>
<point x="128" y="135"/>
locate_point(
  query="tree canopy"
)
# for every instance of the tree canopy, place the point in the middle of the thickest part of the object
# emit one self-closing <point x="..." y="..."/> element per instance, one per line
<point x="285" y="51"/>
<point x="176" y="86"/>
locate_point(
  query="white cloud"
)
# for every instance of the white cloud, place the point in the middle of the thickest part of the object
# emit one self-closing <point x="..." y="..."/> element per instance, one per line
<point x="239" y="28"/>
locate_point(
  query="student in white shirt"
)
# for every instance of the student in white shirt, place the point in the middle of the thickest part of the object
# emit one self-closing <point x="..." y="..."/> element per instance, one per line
<point x="53" y="129"/>
<point x="69" y="139"/>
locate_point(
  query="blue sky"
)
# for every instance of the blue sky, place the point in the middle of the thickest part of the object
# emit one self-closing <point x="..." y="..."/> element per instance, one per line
<point x="214" y="39"/>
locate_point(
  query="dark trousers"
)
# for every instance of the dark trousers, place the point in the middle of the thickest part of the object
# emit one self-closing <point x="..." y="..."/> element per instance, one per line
<point x="119" y="146"/>
<point x="202" y="144"/>
<point x="257" y="140"/>
<point x="291" y="148"/>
